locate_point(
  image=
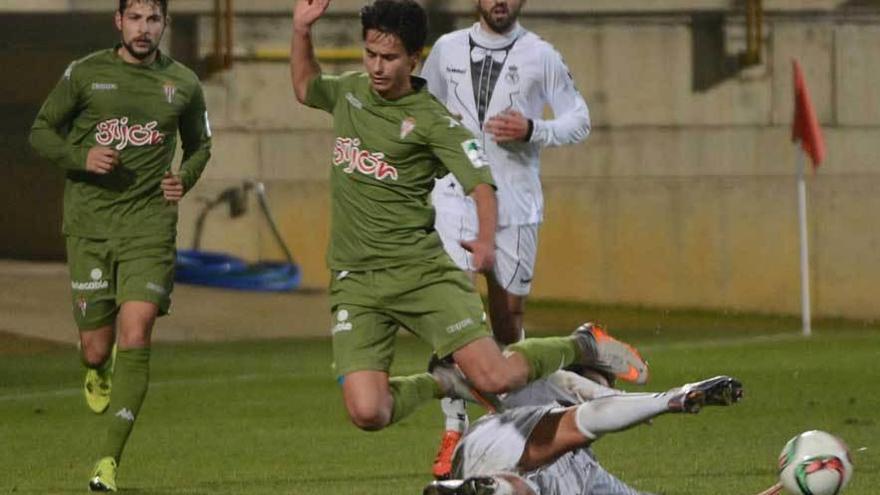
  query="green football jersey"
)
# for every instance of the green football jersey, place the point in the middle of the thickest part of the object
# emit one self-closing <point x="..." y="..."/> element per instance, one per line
<point x="385" y="159"/>
<point x="137" y="110"/>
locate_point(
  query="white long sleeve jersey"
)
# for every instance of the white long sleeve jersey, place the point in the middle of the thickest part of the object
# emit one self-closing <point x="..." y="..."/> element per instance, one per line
<point x="478" y="75"/>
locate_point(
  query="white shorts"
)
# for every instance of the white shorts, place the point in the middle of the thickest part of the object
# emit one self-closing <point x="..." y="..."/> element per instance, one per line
<point x="516" y="246"/>
<point x="495" y="443"/>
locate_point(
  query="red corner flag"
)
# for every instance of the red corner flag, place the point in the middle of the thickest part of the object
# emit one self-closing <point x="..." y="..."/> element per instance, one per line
<point x="805" y="127"/>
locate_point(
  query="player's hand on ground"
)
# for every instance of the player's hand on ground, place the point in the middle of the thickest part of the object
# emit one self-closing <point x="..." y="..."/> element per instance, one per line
<point x="172" y="188"/>
<point x="101" y="160"/>
<point x="306" y="12"/>
<point x="482" y="254"/>
<point x="508" y="126"/>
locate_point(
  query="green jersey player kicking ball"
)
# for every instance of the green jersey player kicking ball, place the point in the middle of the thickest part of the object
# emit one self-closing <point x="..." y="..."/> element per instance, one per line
<point x="112" y="123"/>
<point x="389" y="269"/>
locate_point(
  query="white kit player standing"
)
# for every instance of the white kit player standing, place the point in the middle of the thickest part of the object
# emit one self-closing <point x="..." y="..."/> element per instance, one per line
<point x="498" y="77"/>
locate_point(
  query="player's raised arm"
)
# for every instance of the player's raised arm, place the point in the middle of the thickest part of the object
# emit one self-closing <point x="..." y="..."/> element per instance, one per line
<point x="303" y="65"/>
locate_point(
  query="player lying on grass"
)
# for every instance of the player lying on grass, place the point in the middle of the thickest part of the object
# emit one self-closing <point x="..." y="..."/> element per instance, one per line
<point x="539" y="444"/>
<point x="389" y="270"/>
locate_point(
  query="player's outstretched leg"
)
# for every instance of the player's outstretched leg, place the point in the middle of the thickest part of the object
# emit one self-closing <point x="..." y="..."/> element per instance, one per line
<point x="716" y="391"/>
<point x="619" y="412"/>
<point x="610" y="356"/>
<point x="456" y="423"/>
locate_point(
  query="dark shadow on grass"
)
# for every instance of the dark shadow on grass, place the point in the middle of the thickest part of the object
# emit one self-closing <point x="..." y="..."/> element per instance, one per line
<point x="21" y="345"/>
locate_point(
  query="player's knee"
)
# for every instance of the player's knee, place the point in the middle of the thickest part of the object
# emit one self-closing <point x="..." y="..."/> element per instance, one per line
<point x="492" y="381"/>
<point x="368" y="419"/>
<point x="95" y="355"/>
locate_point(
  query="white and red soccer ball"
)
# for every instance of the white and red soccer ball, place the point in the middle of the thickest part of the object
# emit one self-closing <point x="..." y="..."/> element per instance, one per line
<point x="815" y="463"/>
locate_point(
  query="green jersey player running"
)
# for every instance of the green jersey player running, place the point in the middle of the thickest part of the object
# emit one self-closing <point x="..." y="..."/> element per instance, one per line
<point x="112" y="123"/>
<point x="389" y="269"/>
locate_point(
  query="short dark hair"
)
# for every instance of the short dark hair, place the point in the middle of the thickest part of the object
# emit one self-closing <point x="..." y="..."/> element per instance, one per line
<point x="163" y="5"/>
<point x="403" y="18"/>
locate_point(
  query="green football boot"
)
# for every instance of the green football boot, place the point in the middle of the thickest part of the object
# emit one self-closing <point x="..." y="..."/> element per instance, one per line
<point x="98" y="384"/>
<point x="104" y="477"/>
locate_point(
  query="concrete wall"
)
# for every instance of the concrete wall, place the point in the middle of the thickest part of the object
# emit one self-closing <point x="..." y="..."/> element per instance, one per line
<point x="681" y="197"/>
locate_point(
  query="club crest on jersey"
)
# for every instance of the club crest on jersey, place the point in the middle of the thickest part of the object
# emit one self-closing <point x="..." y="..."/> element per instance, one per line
<point x="347" y="152"/>
<point x="407" y="126"/>
<point x="512" y="75"/>
<point x="82" y="305"/>
<point x="118" y="131"/>
<point x="170" y="90"/>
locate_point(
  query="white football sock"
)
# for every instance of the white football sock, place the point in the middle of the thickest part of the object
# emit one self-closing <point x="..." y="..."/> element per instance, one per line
<point x="456" y="414"/>
<point x="619" y="412"/>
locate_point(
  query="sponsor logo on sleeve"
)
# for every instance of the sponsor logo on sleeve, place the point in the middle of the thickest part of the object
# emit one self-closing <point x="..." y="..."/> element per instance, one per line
<point x="453" y="122"/>
<point x="120" y="132"/>
<point x="347" y="151"/>
<point x="158" y="289"/>
<point x="353" y="101"/>
<point x="98" y="86"/>
<point x="474" y="152"/>
<point x="68" y="71"/>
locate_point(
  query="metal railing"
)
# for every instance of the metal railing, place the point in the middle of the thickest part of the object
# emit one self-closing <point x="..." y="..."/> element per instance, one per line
<point x="222" y="56"/>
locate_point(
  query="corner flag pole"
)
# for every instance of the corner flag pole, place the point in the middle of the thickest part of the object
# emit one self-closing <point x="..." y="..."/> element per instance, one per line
<point x="805" y="254"/>
<point x="807" y="133"/>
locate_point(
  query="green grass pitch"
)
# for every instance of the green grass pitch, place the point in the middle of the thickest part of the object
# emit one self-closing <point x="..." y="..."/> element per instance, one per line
<point x="266" y="417"/>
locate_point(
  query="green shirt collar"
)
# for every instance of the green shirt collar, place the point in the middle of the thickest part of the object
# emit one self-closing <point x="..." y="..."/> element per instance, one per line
<point x="418" y="85"/>
<point x="160" y="62"/>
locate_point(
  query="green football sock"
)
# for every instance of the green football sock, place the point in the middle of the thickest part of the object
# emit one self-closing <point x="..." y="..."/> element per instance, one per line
<point x="546" y="355"/>
<point x="410" y="392"/>
<point x="130" y="381"/>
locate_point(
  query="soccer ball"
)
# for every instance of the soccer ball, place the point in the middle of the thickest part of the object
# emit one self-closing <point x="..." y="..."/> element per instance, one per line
<point x="815" y="463"/>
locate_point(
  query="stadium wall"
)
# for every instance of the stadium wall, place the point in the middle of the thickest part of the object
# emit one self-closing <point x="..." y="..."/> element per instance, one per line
<point x="680" y="198"/>
<point x="684" y="195"/>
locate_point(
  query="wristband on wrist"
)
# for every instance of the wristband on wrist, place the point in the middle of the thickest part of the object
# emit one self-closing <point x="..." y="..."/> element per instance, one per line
<point x="529" y="131"/>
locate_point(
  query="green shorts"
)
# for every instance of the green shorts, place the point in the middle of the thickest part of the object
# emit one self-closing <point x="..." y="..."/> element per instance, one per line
<point x="104" y="273"/>
<point x="431" y="298"/>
